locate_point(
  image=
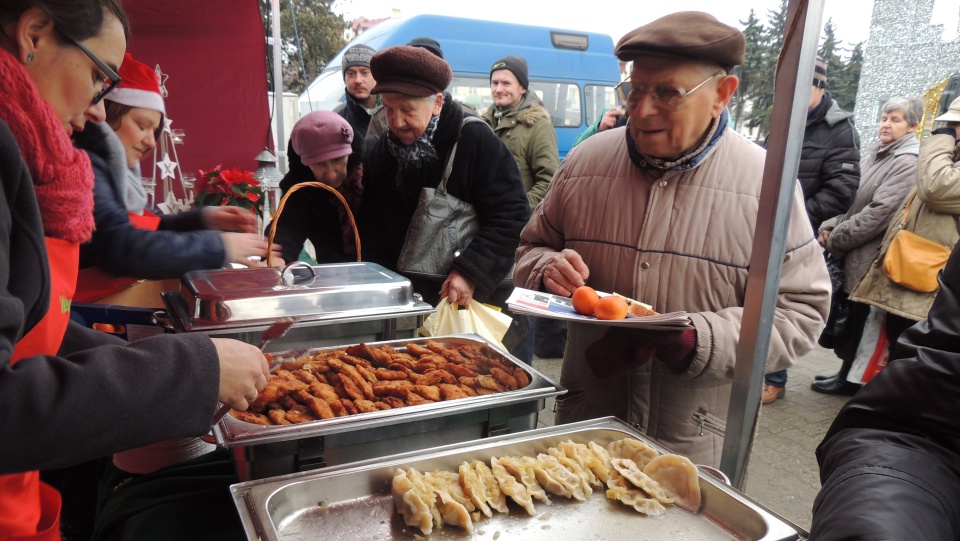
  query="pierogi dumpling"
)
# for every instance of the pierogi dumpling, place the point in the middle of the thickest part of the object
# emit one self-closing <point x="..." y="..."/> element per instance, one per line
<point x="679" y="478"/>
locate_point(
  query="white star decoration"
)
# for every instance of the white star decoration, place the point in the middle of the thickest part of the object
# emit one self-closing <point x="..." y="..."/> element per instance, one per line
<point x="167" y="167"/>
<point x="167" y="122"/>
<point x="161" y="80"/>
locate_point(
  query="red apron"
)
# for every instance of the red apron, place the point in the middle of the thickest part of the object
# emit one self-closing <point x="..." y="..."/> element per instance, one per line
<point x="29" y="508"/>
<point x="93" y="284"/>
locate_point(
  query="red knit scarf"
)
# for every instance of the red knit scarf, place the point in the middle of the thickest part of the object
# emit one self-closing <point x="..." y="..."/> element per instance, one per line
<point x="62" y="175"/>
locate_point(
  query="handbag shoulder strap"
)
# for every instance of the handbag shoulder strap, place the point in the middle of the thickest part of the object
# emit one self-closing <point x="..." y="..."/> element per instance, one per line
<point x="906" y="209"/>
<point x="442" y="187"/>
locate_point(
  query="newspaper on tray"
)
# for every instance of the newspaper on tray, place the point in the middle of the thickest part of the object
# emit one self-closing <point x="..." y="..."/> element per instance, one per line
<point x="540" y="304"/>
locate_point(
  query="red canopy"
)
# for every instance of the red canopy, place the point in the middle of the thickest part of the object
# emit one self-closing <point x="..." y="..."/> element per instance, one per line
<point x="214" y="52"/>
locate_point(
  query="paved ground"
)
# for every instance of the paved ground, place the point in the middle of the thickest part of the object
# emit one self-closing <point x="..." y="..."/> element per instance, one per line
<point x="783" y="473"/>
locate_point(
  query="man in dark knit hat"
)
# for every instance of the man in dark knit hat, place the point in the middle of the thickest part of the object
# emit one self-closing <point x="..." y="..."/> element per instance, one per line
<point x="663" y="210"/>
<point x="829" y="176"/>
<point x="427" y="135"/>
<point x="358" y="81"/>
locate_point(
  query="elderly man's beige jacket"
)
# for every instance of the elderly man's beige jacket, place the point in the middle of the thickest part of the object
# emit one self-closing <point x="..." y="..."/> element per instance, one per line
<point x="688" y="250"/>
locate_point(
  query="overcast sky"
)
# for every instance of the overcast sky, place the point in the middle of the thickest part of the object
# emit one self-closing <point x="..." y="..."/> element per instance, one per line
<point x="851" y="18"/>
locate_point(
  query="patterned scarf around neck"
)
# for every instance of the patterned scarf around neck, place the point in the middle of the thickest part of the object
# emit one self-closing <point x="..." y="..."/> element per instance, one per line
<point x="62" y="175"/>
<point x="416" y="153"/>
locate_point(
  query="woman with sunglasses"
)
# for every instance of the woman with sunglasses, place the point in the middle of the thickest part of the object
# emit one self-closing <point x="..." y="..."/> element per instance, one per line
<point x="130" y="242"/>
<point x="63" y="400"/>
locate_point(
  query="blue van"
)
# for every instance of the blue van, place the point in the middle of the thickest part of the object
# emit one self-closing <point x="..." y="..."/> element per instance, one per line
<point x="574" y="73"/>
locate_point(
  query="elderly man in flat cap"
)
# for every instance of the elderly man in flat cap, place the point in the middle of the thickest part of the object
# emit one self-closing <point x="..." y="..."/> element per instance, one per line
<point x="663" y="210"/>
<point x="428" y="139"/>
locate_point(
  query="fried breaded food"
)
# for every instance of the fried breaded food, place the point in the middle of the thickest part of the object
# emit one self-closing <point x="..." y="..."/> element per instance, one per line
<point x="385" y="374"/>
<point x="399" y="389"/>
<point x="354" y="376"/>
<point x="281" y="384"/>
<point x="278" y="417"/>
<point x="451" y="392"/>
<point x="365" y="406"/>
<point x="300" y="414"/>
<point x="250" y="417"/>
<point x="504" y="378"/>
<point x="429" y="392"/>
<point x="319" y="406"/>
<point x="349" y="406"/>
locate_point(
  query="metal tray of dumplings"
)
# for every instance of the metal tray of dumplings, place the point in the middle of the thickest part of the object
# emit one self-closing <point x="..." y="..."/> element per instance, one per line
<point x="355" y="501"/>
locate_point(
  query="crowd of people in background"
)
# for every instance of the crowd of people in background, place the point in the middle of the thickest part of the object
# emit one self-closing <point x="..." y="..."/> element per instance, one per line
<point x="658" y="201"/>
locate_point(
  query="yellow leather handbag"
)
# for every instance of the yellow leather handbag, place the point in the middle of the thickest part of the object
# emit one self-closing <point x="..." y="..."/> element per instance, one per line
<point x="913" y="261"/>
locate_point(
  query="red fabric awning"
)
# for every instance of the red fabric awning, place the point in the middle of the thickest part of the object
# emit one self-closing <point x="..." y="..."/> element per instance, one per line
<point x="214" y="52"/>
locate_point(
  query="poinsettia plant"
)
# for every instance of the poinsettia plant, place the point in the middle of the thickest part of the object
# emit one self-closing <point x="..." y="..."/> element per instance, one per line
<point x="233" y="187"/>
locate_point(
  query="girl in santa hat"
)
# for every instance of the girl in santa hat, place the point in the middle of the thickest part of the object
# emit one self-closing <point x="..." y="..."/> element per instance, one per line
<point x="130" y="242"/>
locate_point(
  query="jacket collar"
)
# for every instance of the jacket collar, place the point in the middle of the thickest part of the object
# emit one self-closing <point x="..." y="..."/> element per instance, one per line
<point x="682" y="163"/>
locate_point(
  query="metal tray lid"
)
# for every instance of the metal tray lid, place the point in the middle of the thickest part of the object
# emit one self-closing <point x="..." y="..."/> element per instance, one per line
<point x="241" y="297"/>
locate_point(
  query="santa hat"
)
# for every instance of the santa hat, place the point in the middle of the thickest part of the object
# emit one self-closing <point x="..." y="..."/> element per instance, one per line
<point x="138" y="86"/>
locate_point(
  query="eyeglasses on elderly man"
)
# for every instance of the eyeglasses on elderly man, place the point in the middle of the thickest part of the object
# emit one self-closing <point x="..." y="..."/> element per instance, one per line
<point x="665" y="97"/>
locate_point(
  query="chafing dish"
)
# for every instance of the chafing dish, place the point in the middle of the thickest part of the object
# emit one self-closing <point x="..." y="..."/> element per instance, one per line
<point x="263" y="451"/>
<point x="354" y="501"/>
<point x="333" y="304"/>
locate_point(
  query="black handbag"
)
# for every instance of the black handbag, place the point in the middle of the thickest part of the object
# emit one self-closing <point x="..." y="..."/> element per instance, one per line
<point x="838" y="322"/>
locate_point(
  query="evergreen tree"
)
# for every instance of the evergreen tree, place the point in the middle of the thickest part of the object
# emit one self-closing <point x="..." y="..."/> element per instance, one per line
<point x="750" y="70"/>
<point x="847" y="81"/>
<point x="761" y="95"/>
<point x="829" y="51"/>
<point x="320" y="33"/>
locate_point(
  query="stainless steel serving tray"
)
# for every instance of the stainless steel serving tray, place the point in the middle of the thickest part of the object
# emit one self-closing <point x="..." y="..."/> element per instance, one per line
<point x="233" y="298"/>
<point x="355" y="502"/>
<point x="232" y="432"/>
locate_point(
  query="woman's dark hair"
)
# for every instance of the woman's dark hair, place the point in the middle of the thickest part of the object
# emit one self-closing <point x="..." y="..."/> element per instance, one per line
<point x="77" y="19"/>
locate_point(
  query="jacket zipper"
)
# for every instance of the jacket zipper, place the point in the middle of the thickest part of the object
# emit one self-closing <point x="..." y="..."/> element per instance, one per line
<point x="709" y="422"/>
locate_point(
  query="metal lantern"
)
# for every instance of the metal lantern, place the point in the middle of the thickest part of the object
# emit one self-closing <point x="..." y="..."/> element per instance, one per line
<point x="269" y="177"/>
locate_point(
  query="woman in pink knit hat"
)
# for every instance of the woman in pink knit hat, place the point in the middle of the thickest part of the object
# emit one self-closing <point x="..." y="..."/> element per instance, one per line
<point x="322" y="148"/>
<point x="131" y="242"/>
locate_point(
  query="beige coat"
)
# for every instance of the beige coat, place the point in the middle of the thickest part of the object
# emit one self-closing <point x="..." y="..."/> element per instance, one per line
<point x="689" y="251"/>
<point x="933" y="215"/>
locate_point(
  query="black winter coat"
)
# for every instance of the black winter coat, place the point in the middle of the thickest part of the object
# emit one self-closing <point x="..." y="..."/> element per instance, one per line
<point x="180" y="244"/>
<point x="84" y="403"/>
<point x="484" y="174"/>
<point x="829" y="162"/>
<point x="890" y="463"/>
<point x="354" y="113"/>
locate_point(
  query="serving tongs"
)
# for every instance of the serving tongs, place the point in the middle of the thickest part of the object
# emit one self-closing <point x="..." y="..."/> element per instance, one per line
<point x="273" y="332"/>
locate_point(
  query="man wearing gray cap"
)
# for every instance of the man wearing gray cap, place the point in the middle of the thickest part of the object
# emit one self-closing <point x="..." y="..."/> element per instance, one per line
<point x="358" y="81"/>
<point x="664" y="210"/>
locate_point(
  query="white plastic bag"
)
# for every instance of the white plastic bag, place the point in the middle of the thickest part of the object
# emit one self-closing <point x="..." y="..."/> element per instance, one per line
<point x="873" y="352"/>
<point x="477" y="318"/>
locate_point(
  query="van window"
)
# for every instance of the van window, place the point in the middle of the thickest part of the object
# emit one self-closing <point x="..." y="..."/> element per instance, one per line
<point x="325" y="93"/>
<point x="598" y="98"/>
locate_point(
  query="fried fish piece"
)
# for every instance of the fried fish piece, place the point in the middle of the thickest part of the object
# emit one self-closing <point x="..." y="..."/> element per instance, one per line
<point x="451" y="392"/>
<point x="523" y="379"/>
<point x="429" y="392"/>
<point x="460" y="370"/>
<point x="398" y="388"/>
<point x="385" y="374"/>
<point x="365" y="406"/>
<point x="367" y="373"/>
<point x="280" y="384"/>
<point x="319" y="406"/>
<point x="414" y="399"/>
<point x="393" y="401"/>
<point x="354" y="376"/>
<point x="250" y="417"/>
<point x="349" y="406"/>
<point x="374" y="355"/>
<point x="418" y="350"/>
<point x="504" y="378"/>
<point x="330" y="396"/>
<point x="278" y="417"/>
<point x="300" y="414"/>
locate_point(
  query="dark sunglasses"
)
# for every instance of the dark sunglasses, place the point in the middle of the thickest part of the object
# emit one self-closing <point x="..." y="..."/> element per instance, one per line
<point x="110" y="78"/>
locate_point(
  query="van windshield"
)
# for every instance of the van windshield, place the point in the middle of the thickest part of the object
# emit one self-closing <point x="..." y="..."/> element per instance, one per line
<point x="324" y="94"/>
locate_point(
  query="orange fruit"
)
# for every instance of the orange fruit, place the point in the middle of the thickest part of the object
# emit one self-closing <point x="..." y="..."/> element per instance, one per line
<point x="611" y="307"/>
<point x="585" y="300"/>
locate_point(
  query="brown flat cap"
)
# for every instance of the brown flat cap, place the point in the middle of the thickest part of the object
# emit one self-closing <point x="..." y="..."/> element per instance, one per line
<point x="412" y="71"/>
<point x="686" y="34"/>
